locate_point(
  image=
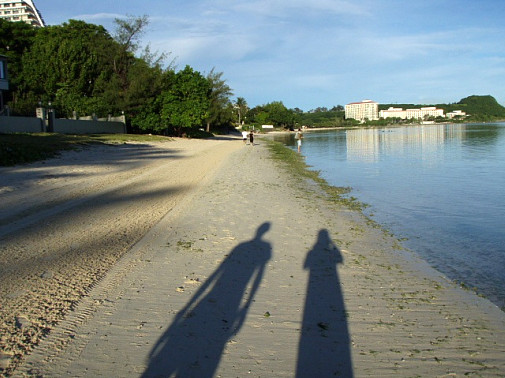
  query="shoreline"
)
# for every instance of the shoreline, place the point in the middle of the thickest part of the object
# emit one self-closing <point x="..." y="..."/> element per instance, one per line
<point x="308" y="129"/>
<point x="334" y="289"/>
<point x="480" y="278"/>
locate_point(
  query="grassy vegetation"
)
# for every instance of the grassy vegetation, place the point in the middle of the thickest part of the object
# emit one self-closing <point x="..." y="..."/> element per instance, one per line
<point x="23" y="148"/>
<point x="297" y="167"/>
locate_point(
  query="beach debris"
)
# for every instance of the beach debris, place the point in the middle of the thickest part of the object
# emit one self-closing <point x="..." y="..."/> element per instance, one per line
<point x="22" y="322"/>
<point x="192" y="281"/>
<point x="47" y="275"/>
<point x="184" y="244"/>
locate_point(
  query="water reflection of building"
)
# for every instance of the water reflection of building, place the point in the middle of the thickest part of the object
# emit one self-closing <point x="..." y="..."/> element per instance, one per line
<point x="367" y="145"/>
<point x="362" y="144"/>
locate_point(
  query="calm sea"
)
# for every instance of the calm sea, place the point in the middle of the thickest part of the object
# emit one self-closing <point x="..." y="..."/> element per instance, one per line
<point x="440" y="186"/>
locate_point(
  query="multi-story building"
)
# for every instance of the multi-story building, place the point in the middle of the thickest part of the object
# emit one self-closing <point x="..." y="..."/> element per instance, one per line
<point x="25" y="11"/>
<point x="411" y="113"/>
<point x="367" y="109"/>
<point x="393" y="113"/>
<point x="362" y="111"/>
<point x="424" y="112"/>
<point x="456" y="113"/>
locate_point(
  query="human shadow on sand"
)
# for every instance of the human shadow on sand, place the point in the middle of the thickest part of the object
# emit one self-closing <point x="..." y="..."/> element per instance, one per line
<point x="193" y="344"/>
<point x="324" y="348"/>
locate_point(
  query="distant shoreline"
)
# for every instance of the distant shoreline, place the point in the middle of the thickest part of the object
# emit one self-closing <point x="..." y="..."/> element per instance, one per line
<point x="308" y="129"/>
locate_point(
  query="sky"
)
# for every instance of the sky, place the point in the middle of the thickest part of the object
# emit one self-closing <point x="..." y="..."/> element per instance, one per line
<point x="321" y="53"/>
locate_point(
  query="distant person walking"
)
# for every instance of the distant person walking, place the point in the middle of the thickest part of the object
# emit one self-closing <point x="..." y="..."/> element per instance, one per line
<point x="244" y="136"/>
<point x="299" y="137"/>
<point x="251" y="138"/>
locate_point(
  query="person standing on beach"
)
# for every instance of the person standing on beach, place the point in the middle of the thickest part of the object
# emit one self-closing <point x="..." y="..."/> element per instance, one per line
<point x="299" y="137"/>
<point x="244" y="136"/>
<point x="251" y="137"/>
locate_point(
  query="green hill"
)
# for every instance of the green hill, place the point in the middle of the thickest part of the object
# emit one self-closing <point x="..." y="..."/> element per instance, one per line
<point x="482" y="106"/>
<point x="479" y="108"/>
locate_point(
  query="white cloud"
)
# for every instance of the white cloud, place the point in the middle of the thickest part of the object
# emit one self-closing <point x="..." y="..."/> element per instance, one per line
<point x="98" y="16"/>
<point x="205" y="48"/>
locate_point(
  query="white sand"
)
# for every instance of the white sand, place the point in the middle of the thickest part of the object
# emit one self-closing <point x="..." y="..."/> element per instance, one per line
<point x="197" y="292"/>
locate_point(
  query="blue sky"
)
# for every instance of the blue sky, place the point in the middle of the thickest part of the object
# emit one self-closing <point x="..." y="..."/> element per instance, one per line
<point x="316" y="53"/>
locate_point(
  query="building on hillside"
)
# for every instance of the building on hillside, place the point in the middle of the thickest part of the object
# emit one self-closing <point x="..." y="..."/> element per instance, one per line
<point x="362" y="111"/>
<point x="424" y="112"/>
<point x="456" y="113"/>
<point x="25" y="11"/>
<point x="393" y="113"/>
<point x="421" y="113"/>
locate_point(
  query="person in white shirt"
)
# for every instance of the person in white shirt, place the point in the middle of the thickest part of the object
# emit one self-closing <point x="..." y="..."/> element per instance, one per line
<point x="299" y="137"/>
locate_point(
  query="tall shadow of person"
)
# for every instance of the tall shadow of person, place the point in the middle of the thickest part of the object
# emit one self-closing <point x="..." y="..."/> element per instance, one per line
<point x="324" y="348"/>
<point x="193" y="344"/>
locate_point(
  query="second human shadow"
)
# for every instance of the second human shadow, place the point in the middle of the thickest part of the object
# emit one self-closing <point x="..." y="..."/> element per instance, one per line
<point x="324" y="348"/>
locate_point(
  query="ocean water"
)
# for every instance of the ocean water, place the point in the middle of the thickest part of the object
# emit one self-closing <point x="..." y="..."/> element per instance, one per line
<point x="442" y="187"/>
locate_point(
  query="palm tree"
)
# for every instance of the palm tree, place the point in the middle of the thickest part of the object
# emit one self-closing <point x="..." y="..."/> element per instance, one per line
<point x="241" y="106"/>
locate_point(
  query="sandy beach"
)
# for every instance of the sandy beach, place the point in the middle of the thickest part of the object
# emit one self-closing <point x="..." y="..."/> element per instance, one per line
<point x="209" y="258"/>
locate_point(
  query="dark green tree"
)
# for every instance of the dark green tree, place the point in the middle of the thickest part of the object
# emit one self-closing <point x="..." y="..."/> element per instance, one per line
<point x="147" y="116"/>
<point x="279" y="115"/>
<point x="220" y="110"/>
<point x="127" y="35"/>
<point x="16" y="38"/>
<point x="186" y="104"/>
<point x="139" y="81"/>
<point x="67" y="64"/>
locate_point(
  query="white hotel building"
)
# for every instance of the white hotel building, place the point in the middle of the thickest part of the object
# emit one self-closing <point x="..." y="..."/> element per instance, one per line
<point x="369" y="110"/>
<point x="362" y="111"/>
<point x="25" y="11"/>
<point x="411" y="113"/>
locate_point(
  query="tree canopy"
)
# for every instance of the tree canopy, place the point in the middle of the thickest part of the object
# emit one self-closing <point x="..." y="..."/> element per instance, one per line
<point x="186" y="103"/>
<point x="81" y="68"/>
<point x="274" y="113"/>
<point x="220" y="106"/>
<point x="70" y="66"/>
